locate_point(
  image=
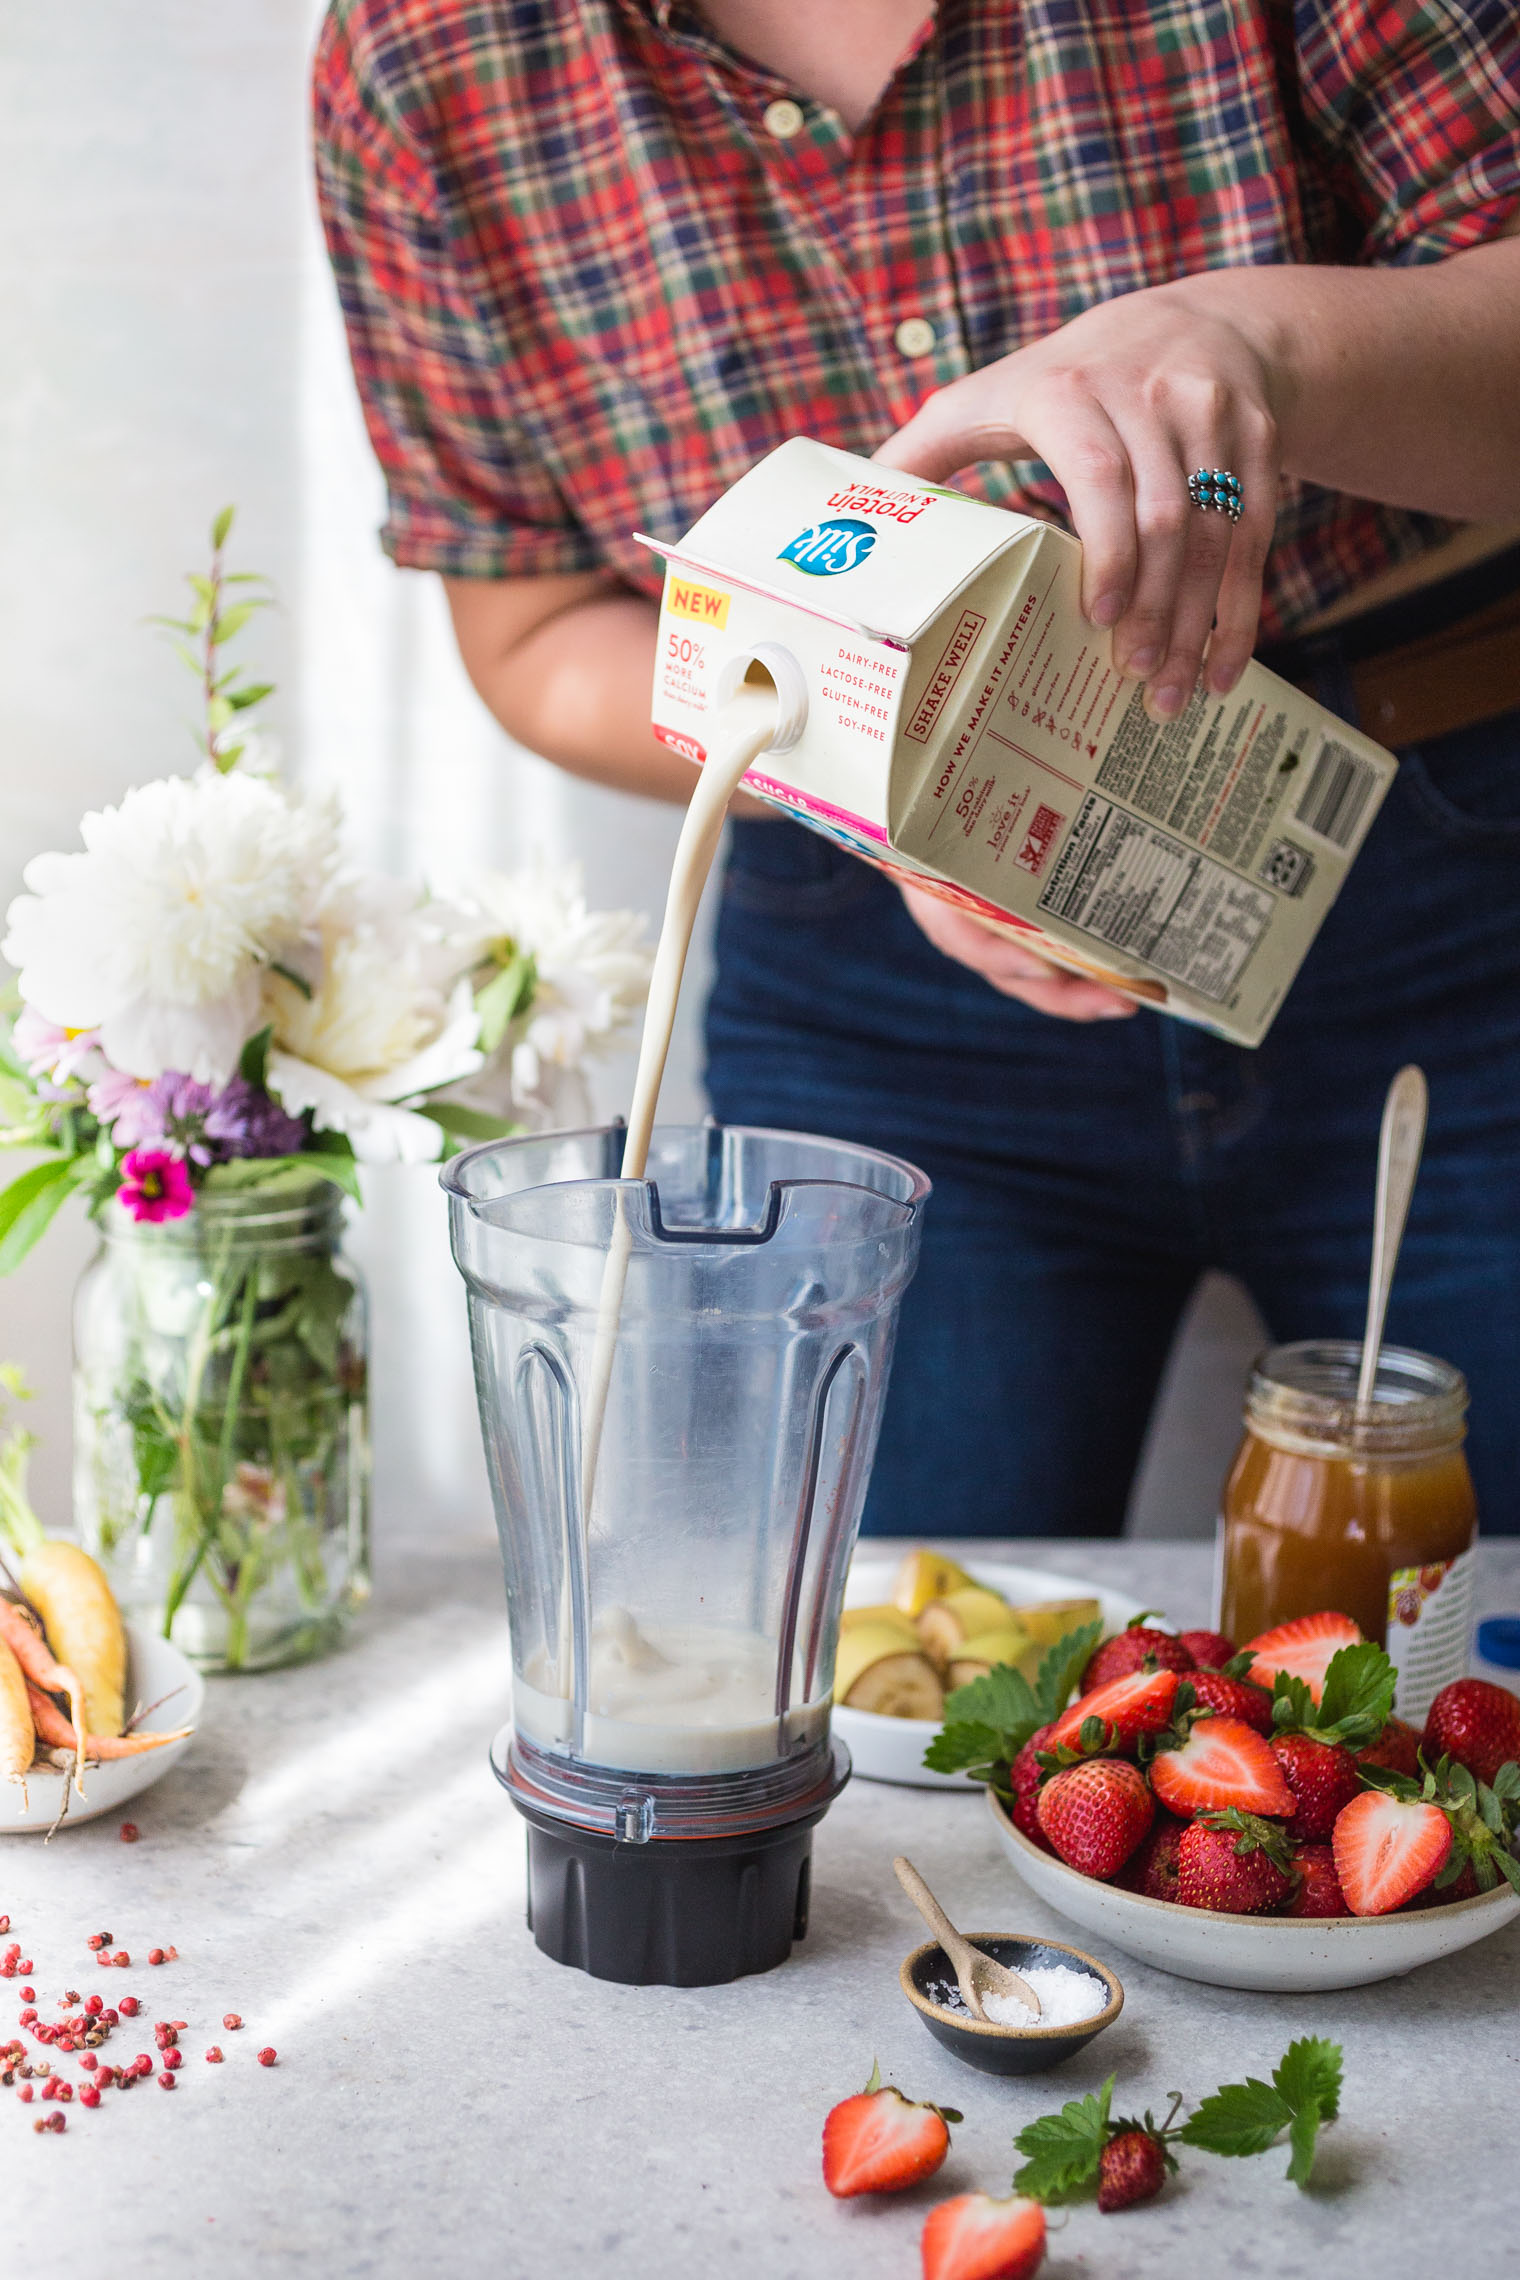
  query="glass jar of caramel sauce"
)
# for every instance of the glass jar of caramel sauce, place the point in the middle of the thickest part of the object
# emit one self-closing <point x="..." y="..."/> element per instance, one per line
<point x="1368" y="1511"/>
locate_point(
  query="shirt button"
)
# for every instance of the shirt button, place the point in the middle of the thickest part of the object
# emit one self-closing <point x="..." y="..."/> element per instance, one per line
<point x="914" y="337"/>
<point x="783" y="119"/>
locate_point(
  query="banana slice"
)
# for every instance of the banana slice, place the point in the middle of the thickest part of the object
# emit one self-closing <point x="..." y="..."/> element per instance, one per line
<point x="876" y="1669"/>
<point x="853" y="1618"/>
<point x="975" y="1657"/>
<point x="924" y="1576"/>
<point x="957" y="1616"/>
<point x="1053" y="1618"/>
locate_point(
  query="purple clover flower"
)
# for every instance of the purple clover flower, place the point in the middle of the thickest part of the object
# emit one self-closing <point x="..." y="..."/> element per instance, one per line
<point x="243" y="1121"/>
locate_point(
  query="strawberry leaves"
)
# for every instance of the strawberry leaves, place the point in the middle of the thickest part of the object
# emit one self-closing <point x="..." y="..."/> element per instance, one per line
<point x="1483" y="1816"/>
<point x="1249" y="2117"/>
<point x="1355" y="1704"/>
<point x="988" y="1722"/>
<point x="1064" y="2149"/>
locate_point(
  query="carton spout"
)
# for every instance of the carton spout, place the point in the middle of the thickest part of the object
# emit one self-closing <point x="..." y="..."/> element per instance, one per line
<point x="770" y="665"/>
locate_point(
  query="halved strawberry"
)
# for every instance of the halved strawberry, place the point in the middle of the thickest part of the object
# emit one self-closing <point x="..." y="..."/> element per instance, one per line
<point x="1302" y="1648"/>
<point x="1139" y="1704"/>
<point x="1387" y="1850"/>
<point x="1222" y="1763"/>
<point x="975" y="2237"/>
<point x="880" y="2142"/>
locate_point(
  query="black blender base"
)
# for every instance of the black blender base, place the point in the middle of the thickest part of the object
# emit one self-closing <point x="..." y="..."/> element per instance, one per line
<point x="676" y="1912"/>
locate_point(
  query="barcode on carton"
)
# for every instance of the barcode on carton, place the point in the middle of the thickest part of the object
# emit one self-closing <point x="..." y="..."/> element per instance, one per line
<point x="1335" y="798"/>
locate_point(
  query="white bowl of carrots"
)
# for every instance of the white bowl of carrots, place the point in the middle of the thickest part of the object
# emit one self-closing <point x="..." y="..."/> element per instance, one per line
<point x="167" y="1689"/>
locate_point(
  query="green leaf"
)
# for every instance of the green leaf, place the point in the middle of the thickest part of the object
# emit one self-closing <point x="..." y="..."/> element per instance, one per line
<point x="222" y="526"/>
<point x="1061" y="1668"/>
<point x="254" y="694"/>
<point x="1303" y="2133"/>
<point x="957" y="1748"/>
<point x="1002" y="1700"/>
<point x="231" y="621"/>
<point x="28" y="1206"/>
<point x="468" y="1123"/>
<point x="1292" y="1703"/>
<point x="253" y="1061"/>
<point x="1507" y="1866"/>
<point x="1239" y="2119"/>
<point x="289" y="974"/>
<point x="1358" y="1692"/>
<point x="1064" y="2149"/>
<point x="1311" y="2068"/>
<point x="504" y="997"/>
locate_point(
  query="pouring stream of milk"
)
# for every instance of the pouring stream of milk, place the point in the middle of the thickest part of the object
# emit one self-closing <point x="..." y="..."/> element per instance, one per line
<point x="743" y="728"/>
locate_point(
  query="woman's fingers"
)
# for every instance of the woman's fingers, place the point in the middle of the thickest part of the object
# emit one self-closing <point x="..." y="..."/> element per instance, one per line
<point x="1238" y="609"/>
<point x="974" y="419"/>
<point x="1010" y="969"/>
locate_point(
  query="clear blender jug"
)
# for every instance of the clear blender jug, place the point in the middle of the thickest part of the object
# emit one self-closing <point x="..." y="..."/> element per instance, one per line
<point x="720" y="1390"/>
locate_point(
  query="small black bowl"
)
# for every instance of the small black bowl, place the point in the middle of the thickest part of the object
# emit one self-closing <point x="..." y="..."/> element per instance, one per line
<point x="928" y="1975"/>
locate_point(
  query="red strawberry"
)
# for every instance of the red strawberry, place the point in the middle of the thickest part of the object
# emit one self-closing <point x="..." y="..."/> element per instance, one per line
<point x="1322" y="1777"/>
<point x="1233" y="1698"/>
<point x="1386" y="1851"/>
<point x="1235" y="1862"/>
<point x="1116" y="1658"/>
<point x="1210" y="1650"/>
<point x="1461" y="1887"/>
<point x="1319" y="1890"/>
<point x="1397" y="1747"/>
<point x="1132" y="2167"/>
<point x="975" y="2237"/>
<point x="1096" y="1813"/>
<point x="1302" y="1648"/>
<point x="1139" y="1704"/>
<point x="1153" y="1868"/>
<point x="1025" y="1775"/>
<point x="1476" y="1723"/>
<point x="1222" y="1763"/>
<point x="879" y="2141"/>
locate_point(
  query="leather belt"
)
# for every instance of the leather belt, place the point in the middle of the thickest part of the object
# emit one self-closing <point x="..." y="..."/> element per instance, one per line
<point x="1463" y="670"/>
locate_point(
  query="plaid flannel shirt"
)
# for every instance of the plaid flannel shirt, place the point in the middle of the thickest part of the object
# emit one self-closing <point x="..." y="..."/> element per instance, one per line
<point x="593" y="265"/>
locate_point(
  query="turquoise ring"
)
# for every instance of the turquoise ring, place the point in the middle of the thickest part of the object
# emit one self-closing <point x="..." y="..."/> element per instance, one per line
<point x="1217" y="491"/>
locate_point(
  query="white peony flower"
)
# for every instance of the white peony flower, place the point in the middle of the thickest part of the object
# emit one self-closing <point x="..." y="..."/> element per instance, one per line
<point x="158" y="934"/>
<point x="389" y="1018"/>
<point x="592" y="967"/>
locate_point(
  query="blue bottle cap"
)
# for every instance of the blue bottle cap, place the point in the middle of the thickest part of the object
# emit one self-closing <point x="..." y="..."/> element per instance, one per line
<point x="1499" y="1641"/>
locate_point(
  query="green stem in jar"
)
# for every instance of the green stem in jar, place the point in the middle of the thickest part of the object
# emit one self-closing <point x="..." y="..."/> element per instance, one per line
<point x="209" y="1513"/>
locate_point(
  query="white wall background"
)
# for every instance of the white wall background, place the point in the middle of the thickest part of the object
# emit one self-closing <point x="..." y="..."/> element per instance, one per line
<point x="170" y="343"/>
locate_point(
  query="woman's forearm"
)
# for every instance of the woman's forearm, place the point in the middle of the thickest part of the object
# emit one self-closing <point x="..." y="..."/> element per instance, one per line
<point x="1401" y="385"/>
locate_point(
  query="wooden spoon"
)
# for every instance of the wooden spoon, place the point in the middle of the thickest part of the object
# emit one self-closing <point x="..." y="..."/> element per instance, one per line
<point x="977" y="1974"/>
<point x="1402" y="1138"/>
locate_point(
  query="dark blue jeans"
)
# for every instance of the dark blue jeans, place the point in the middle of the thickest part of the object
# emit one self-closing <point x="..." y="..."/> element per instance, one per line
<point x="1085" y="1176"/>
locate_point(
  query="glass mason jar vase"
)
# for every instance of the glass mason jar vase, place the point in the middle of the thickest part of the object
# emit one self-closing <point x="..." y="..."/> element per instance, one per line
<point x="221" y="1451"/>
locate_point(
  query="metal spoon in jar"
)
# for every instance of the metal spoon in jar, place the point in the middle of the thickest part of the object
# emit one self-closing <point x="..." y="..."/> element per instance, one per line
<point x="1402" y="1138"/>
<point x="976" y="1974"/>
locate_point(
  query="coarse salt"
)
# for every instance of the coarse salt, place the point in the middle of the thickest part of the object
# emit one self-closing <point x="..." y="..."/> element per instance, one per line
<point x="1067" y="1997"/>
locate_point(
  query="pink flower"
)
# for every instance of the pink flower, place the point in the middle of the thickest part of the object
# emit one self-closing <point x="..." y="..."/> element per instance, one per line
<point x="155" y="1185"/>
<point x="50" y="1051"/>
<point x="127" y="1106"/>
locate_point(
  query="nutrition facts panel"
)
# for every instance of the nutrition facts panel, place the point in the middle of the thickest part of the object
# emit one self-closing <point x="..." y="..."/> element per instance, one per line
<point x="1138" y="889"/>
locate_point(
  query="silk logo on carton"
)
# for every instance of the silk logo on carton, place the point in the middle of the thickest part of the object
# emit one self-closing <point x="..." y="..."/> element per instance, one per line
<point x="825" y="549"/>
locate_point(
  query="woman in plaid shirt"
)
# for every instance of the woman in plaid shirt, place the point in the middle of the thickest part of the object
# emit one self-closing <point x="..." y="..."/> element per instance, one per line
<point x="595" y="258"/>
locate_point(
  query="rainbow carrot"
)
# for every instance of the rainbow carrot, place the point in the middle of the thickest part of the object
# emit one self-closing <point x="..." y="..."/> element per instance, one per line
<point x="32" y="1652"/>
<point x="54" y="1729"/>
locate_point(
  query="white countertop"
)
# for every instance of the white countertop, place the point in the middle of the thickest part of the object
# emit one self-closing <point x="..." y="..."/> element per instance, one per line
<point x="335" y="1861"/>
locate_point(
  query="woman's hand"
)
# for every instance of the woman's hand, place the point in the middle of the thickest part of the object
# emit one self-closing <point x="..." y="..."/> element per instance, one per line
<point x="1008" y="966"/>
<point x="1123" y="404"/>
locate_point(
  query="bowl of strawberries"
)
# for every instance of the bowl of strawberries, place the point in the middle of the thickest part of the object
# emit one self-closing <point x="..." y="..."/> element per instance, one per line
<point x="1255" y="1819"/>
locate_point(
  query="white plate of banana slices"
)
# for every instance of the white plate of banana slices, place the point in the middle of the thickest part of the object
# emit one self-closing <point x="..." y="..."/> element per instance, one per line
<point x="916" y="1627"/>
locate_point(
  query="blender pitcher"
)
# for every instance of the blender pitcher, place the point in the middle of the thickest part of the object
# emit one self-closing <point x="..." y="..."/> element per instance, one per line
<point x="680" y="1382"/>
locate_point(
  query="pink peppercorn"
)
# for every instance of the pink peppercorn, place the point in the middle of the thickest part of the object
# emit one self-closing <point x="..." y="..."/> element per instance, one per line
<point x="89" y="2095"/>
<point x="89" y="2062"/>
<point x="214" y="2056"/>
<point x="267" y="2056"/>
<point x="25" y="2093"/>
<point x="110" y="2018"/>
<point x="166" y="2082"/>
<point x="155" y="1955"/>
<point x="94" y="2004"/>
<point x="231" y="2019"/>
<point x="121" y="1959"/>
<point x="128" y="2007"/>
<point x="129" y="1832"/>
<point x="65" y="2091"/>
<point x="28" y="1994"/>
<point x="174" y="2060"/>
<point x="29" y="2018"/>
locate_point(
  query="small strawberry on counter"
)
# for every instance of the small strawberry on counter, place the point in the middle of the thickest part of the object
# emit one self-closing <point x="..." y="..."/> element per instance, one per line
<point x="881" y="2142"/>
<point x="975" y="2237"/>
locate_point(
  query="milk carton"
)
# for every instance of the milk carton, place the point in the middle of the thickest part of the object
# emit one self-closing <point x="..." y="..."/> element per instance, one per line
<point x="966" y="729"/>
